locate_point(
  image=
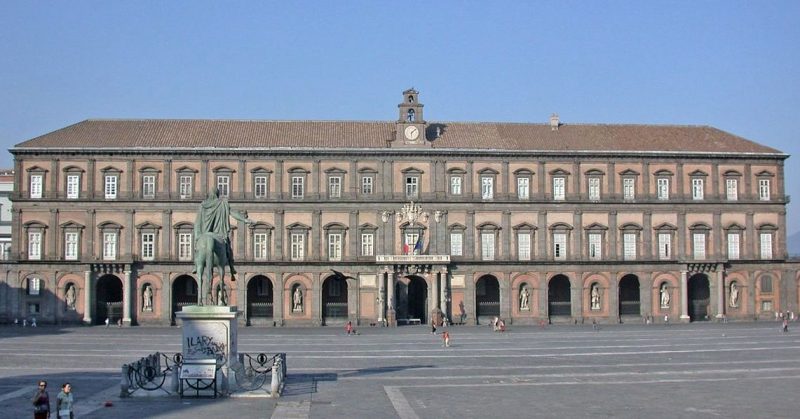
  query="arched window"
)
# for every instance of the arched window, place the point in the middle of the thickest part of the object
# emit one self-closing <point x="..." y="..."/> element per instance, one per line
<point x="411" y="115"/>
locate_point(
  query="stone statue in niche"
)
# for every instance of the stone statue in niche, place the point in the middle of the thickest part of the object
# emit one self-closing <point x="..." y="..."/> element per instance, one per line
<point x="297" y="300"/>
<point x="147" y="298"/>
<point x="524" y="297"/>
<point x="664" y="295"/>
<point x="595" y="297"/>
<point x="734" y="295"/>
<point x="70" y="297"/>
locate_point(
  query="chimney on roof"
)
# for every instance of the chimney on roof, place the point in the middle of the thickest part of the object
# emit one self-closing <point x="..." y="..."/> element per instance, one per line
<point x="554" y="123"/>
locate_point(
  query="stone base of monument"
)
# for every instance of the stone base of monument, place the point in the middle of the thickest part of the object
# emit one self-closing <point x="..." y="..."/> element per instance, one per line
<point x="210" y="332"/>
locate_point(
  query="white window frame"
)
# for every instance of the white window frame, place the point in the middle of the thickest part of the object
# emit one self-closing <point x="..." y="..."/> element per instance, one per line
<point x="523" y="188"/>
<point x="559" y="188"/>
<point x="664" y="246"/>
<point x="110" y="245"/>
<point x="34" y="286"/>
<point x="260" y="186"/>
<point x="224" y="186"/>
<point x="297" y="241"/>
<point x="412" y="186"/>
<point x="732" y="189"/>
<point x="487" y="246"/>
<point x="334" y="246"/>
<point x="763" y="190"/>
<point x="524" y="245"/>
<point x="185" y="186"/>
<point x="110" y="186"/>
<point x="367" y="244"/>
<point x="298" y="186"/>
<point x="628" y="189"/>
<point x="594" y="188"/>
<point x="71" y="242"/>
<point x="73" y="186"/>
<point x="699" y="246"/>
<point x="734" y="246"/>
<point x="698" y="189"/>
<point x="148" y="246"/>
<point x="487" y="187"/>
<point x="37" y="184"/>
<point x="595" y="246"/>
<point x="35" y="245"/>
<point x="334" y="187"/>
<point x="185" y="246"/>
<point x="455" y="185"/>
<point x="765" y="241"/>
<point x="560" y="246"/>
<point x="629" y="246"/>
<point x="456" y="244"/>
<point x="148" y="186"/>
<point x="260" y="246"/>
<point x="367" y="185"/>
<point x="662" y="188"/>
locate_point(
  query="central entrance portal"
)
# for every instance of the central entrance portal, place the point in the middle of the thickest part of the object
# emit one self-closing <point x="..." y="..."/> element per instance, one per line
<point x="411" y="293"/>
<point x="699" y="297"/>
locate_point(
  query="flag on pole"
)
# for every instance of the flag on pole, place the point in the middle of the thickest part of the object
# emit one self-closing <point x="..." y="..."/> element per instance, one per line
<point x="405" y="248"/>
<point x="418" y="246"/>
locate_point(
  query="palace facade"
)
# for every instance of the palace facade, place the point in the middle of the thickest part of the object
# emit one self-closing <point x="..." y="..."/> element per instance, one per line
<point x="398" y="222"/>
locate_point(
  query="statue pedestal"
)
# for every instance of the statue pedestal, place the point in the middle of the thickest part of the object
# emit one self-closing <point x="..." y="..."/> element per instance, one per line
<point x="211" y="332"/>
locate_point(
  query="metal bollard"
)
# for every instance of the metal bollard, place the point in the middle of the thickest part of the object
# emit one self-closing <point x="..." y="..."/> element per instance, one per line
<point x="124" y="386"/>
<point x="275" y="381"/>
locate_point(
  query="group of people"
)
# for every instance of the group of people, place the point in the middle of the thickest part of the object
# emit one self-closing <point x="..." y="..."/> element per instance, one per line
<point x="498" y="325"/>
<point x="64" y="402"/>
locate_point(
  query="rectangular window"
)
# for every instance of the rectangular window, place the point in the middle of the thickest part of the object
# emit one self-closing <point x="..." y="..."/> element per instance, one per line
<point x="523" y="188"/>
<point x="34" y="286"/>
<point x="335" y="246"/>
<point x="35" y="246"/>
<point x="367" y="244"/>
<point x="334" y="187"/>
<point x="73" y="186"/>
<point x="71" y="246"/>
<point x="629" y="246"/>
<point x="366" y="185"/>
<point x="298" y="246"/>
<point x="110" y="187"/>
<point x="109" y="246"/>
<point x="524" y="246"/>
<point x="664" y="246"/>
<point x="733" y="245"/>
<point x="766" y="284"/>
<point x="732" y="189"/>
<point x="766" y="246"/>
<point x="699" y="241"/>
<point x="456" y="244"/>
<point x="185" y="187"/>
<point x="763" y="189"/>
<point x="224" y="186"/>
<point x="148" y="186"/>
<point x="663" y="189"/>
<point x="559" y="185"/>
<point x="595" y="246"/>
<point x="260" y="246"/>
<point x="298" y="186"/>
<point x="455" y="185"/>
<point x="412" y="187"/>
<point x="766" y="306"/>
<point x="36" y="186"/>
<point x="409" y="248"/>
<point x="628" y="189"/>
<point x="185" y="246"/>
<point x="594" y="189"/>
<point x="260" y="186"/>
<point x="697" y="189"/>
<point x="559" y="246"/>
<point x="487" y="246"/>
<point x="148" y="246"/>
<point x="487" y="188"/>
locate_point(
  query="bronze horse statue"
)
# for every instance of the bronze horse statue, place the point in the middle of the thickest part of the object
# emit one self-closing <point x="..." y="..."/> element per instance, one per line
<point x="210" y="252"/>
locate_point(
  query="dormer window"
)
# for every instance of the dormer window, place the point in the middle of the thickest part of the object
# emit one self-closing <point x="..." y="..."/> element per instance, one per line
<point x="411" y="116"/>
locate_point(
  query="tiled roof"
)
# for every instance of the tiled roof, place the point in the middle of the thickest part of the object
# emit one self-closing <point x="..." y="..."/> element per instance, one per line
<point x="238" y="134"/>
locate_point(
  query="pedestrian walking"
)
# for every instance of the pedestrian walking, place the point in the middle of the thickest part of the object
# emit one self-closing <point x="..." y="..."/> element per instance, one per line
<point x="108" y="321"/>
<point x="446" y="339"/>
<point x="64" y="402"/>
<point x="433" y="327"/>
<point x="785" y="325"/>
<point x="41" y="402"/>
<point x="348" y="328"/>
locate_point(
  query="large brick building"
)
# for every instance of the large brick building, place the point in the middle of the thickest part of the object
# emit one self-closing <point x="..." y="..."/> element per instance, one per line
<point x="388" y="221"/>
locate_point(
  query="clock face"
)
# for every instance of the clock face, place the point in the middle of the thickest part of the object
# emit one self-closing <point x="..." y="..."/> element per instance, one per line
<point x="412" y="133"/>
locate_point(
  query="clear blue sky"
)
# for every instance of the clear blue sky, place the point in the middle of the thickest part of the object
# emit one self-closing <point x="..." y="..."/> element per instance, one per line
<point x="733" y="65"/>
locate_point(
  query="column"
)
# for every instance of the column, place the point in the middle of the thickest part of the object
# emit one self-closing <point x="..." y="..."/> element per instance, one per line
<point x="279" y="232"/>
<point x="316" y="300"/>
<point x="316" y="235"/>
<point x="613" y="233"/>
<point x="279" y="179"/>
<point x="165" y="252"/>
<point x="434" y="289"/>
<point x="168" y="189"/>
<point x="682" y="234"/>
<point x="506" y="233"/>
<point x="204" y="176"/>
<point x="612" y="185"/>
<point x="129" y="180"/>
<point x="390" y="319"/>
<point x="716" y="234"/>
<point x="88" y="247"/>
<point x="541" y="236"/>
<point x="468" y="192"/>
<point x="613" y="298"/>
<point x="130" y="234"/>
<point x="52" y="237"/>
<point x="577" y="237"/>
<point x="684" y="297"/>
<point x="381" y="295"/>
<point x="240" y="194"/>
<point x="444" y="292"/>
<point x="469" y="240"/>
<point x="646" y="294"/>
<point x="679" y="180"/>
<point x="352" y="243"/>
<point x="127" y="299"/>
<point x="87" y="297"/>
<point x="277" y="299"/>
<point x="720" y="291"/>
<point x="90" y="179"/>
<point x="647" y="235"/>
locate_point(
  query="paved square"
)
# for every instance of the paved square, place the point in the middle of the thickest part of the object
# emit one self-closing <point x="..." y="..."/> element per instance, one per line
<point x="734" y="370"/>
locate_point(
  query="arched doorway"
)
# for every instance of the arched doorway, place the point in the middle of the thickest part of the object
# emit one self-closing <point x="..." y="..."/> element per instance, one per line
<point x="334" y="300"/>
<point x="411" y="295"/>
<point x="108" y="299"/>
<point x="559" y="301"/>
<point x="699" y="297"/>
<point x="629" y="303"/>
<point x="259" y="300"/>
<point x="487" y="298"/>
<point x="184" y="293"/>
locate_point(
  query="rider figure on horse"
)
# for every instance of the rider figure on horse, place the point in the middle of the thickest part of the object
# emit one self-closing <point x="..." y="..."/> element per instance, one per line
<point x="213" y="217"/>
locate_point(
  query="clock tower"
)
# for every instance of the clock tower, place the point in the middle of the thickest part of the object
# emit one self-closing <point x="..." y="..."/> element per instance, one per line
<point x="410" y="124"/>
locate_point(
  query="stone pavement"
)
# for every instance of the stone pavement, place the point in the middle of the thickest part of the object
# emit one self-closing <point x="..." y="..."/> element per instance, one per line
<point x="733" y="370"/>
